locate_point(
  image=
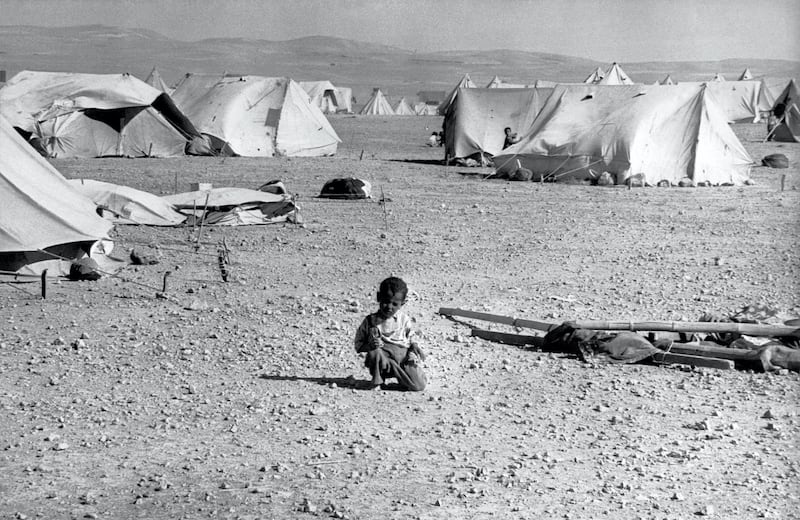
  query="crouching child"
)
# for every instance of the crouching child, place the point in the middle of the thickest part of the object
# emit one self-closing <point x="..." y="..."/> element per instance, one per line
<point x="389" y="343"/>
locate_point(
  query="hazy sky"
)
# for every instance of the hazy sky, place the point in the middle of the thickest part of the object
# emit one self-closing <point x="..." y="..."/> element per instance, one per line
<point x="603" y="30"/>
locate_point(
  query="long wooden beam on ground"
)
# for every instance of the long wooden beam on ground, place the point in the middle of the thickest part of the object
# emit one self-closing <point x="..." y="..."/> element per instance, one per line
<point x="695" y="349"/>
<point x="496" y="318"/>
<point x="697" y="361"/>
<point x="749" y="329"/>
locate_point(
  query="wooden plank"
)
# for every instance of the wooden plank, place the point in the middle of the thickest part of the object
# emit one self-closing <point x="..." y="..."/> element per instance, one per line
<point x="496" y="318"/>
<point x="507" y="338"/>
<point x="697" y="361"/>
<point x="749" y="329"/>
<point x="695" y="349"/>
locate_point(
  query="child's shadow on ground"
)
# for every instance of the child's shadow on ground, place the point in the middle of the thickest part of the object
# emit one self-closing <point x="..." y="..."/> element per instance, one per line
<point x="341" y="382"/>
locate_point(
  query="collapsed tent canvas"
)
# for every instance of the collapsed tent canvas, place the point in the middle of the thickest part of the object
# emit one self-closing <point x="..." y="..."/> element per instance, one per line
<point x="665" y="133"/>
<point x="788" y="115"/>
<point x="254" y="116"/>
<point x="234" y="207"/>
<point x="346" y="188"/>
<point x="124" y="205"/>
<point x="97" y="115"/>
<point x="42" y="218"/>
<point x="475" y="123"/>
<point x="377" y="105"/>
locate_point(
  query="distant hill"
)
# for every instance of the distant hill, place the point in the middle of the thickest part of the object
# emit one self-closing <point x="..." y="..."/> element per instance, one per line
<point x="360" y="65"/>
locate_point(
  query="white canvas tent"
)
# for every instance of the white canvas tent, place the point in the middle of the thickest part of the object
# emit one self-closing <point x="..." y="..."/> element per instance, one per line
<point x="474" y="125"/>
<point x="595" y="76"/>
<point x="403" y="108"/>
<point x="788" y="114"/>
<point x="741" y="101"/>
<point x="344" y="99"/>
<point x="41" y="215"/>
<point x="666" y="133"/>
<point x="746" y="74"/>
<point x="254" y="116"/>
<point x="155" y="80"/>
<point x="377" y="105"/>
<point x="718" y="77"/>
<point x="322" y="94"/>
<point x="615" y="76"/>
<point x="424" y="109"/>
<point x="96" y="115"/>
<point x="465" y="82"/>
<point x="667" y="81"/>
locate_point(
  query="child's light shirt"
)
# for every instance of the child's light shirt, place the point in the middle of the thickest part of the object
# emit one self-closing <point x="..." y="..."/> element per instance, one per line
<point x="396" y="331"/>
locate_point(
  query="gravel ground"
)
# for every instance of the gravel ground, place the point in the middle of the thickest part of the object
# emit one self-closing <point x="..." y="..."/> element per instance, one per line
<point x="240" y="400"/>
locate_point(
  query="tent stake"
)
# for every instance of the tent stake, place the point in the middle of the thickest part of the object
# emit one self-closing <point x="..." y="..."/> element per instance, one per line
<point x="164" y="284"/>
<point x="44" y="284"/>
<point x="202" y="221"/>
<point x="783" y="181"/>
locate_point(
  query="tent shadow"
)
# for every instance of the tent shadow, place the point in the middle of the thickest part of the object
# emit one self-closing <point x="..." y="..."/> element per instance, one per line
<point x="341" y="382"/>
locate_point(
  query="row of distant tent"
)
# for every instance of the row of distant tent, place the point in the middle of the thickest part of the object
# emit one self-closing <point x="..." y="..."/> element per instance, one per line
<point x="675" y="134"/>
<point x="613" y="76"/>
<point x="378" y="105"/>
<point x="96" y="115"/>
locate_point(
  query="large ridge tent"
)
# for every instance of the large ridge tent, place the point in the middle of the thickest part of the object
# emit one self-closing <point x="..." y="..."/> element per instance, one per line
<point x="377" y="105"/>
<point x="322" y="94"/>
<point x="95" y="115"/>
<point x="42" y="217"/>
<point x="473" y="127"/>
<point x="742" y="101"/>
<point x="254" y="116"/>
<point x="403" y="108"/>
<point x="666" y="133"/>
<point x="788" y="114"/>
<point x="466" y="82"/>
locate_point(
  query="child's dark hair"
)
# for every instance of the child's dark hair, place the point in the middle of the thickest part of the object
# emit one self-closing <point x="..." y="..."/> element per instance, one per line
<point x="392" y="286"/>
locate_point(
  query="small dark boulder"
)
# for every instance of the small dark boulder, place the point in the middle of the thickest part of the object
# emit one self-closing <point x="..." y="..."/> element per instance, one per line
<point x="84" y="269"/>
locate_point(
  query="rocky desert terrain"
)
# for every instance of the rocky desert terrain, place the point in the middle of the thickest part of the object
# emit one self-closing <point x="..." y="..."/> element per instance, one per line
<point x="242" y="400"/>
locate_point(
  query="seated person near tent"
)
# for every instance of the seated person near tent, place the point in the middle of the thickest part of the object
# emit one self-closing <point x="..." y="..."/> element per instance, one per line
<point x="389" y="342"/>
<point x="433" y="140"/>
<point x="511" y="138"/>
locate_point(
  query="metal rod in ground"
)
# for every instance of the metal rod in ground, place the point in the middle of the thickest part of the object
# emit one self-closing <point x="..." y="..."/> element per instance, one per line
<point x="44" y="284"/>
<point x="783" y="181"/>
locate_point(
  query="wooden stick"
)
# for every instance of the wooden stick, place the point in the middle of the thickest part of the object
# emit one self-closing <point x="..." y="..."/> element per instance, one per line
<point x="496" y="318"/>
<point x="202" y="221"/>
<point x="44" y="284"/>
<point x="697" y="361"/>
<point x="749" y="329"/>
<point x="506" y="337"/>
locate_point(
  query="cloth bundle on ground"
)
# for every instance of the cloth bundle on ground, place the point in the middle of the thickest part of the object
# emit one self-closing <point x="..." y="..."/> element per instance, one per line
<point x="234" y="207"/>
<point x="599" y="346"/>
<point x="775" y="160"/>
<point x="346" y="188"/>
